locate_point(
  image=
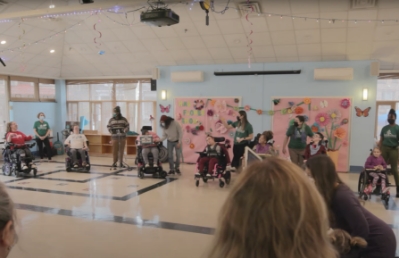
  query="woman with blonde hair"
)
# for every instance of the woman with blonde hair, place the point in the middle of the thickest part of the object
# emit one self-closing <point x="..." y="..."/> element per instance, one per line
<point x="273" y="211"/>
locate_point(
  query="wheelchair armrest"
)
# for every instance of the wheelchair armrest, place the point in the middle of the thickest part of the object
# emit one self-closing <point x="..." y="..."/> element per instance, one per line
<point x="31" y="145"/>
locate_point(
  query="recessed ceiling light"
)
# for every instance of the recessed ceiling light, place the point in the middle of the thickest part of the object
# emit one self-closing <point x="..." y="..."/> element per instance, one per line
<point x="52" y="51"/>
<point x="51" y="6"/>
<point x="3" y="42"/>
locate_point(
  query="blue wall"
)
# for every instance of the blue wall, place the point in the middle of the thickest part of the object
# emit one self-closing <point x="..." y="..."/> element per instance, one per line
<point x="257" y="91"/>
<point x="25" y="113"/>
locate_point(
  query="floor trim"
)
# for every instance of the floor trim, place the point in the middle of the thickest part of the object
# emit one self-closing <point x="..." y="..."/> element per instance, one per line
<point x="119" y="219"/>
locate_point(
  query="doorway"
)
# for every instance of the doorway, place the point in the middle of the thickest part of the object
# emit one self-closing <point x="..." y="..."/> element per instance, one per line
<point x="383" y="108"/>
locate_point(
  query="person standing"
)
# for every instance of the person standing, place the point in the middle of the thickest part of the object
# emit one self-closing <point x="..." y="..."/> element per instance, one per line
<point x="118" y="126"/>
<point x="244" y="134"/>
<point x="173" y="134"/>
<point x="297" y="135"/>
<point x="42" y="133"/>
<point x="389" y="138"/>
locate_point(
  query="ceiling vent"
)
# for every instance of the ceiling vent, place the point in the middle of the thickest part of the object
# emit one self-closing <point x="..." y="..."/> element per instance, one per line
<point x="363" y="4"/>
<point x="251" y="8"/>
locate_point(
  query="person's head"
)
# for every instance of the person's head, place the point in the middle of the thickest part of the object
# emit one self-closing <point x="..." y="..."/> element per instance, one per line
<point x="262" y="139"/>
<point x="12" y="127"/>
<point x="317" y="138"/>
<point x="7" y="222"/>
<point x="265" y="217"/>
<point x="376" y="152"/>
<point x="299" y="120"/>
<point x="343" y="242"/>
<point x="117" y="112"/>
<point x="268" y="135"/>
<point x="75" y="129"/>
<point x="41" y="116"/>
<point x="243" y="118"/>
<point x="322" y="169"/>
<point x="165" y="121"/>
<point x="392" y="116"/>
<point x="210" y="140"/>
<point x="144" y="132"/>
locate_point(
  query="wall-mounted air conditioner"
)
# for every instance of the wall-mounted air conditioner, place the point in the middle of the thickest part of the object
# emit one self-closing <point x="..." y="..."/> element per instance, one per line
<point x="333" y="74"/>
<point x="190" y="76"/>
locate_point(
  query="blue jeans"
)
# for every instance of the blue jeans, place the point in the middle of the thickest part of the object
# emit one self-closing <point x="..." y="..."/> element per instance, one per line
<point x="171" y="146"/>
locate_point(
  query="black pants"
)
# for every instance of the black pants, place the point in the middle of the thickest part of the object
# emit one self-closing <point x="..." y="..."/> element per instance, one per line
<point x="238" y="152"/>
<point x="46" y="144"/>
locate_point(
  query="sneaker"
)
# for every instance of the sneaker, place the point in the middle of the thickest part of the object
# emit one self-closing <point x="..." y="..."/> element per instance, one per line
<point x="373" y="188"/>
<point x="24" y="167"/>
<point x="121" y="165"/>
<point x="87" y="165"/>
<point x="155" y="165"/>
<point x="178" y="171"/>
<point x="147" y="165"/>
<point x="172" y="172"/>
<point x="75" y="165"/>
<point x="113" y="165"/>
<point x="208" y="175"/>
<point x="49" y="159"/>
<point x="198" y="174"/>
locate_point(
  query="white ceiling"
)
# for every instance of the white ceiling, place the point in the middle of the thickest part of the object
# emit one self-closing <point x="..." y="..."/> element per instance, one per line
<point x="135" y="50"/>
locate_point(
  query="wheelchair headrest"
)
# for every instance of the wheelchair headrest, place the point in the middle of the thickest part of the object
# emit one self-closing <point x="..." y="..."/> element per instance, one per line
<point x="219" y="139"/>
<point x="146" y="127"/>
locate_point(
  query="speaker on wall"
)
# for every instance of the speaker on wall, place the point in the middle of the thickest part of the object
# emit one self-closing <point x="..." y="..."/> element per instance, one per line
<point x="375" y="68"/>
<point x="153" y="85"/>
<point x="155" y="74"/>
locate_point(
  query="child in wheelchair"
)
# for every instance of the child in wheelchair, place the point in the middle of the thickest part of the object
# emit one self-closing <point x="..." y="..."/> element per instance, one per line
<point x="375" y="166"/>
<point x="213" y="160"/>
<point x="265" y="144"/>
<point x="76" y="144"/>
<point x="315" y="147"/>
<point x="149" y="146"/>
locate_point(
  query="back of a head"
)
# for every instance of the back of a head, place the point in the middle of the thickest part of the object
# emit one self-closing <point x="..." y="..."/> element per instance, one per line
<point x="7" y="213"/>
<point x="273" y="210"/>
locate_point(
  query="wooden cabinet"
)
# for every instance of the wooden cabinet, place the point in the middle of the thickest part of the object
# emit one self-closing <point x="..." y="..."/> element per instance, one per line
<point x="101" y="143"/>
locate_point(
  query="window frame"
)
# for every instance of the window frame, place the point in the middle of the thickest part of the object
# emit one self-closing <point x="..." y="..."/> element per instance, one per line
<point x="113" y="100"/>
<point x="36" y="84"/>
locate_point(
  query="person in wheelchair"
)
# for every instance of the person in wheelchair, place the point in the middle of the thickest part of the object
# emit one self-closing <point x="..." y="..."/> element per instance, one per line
<point x="152" y="147"/>
<point x="210" y="156"/>
<point x="18" y="139"/>
<point x="316" y="147"/>
<point x="376" y="164"/>
<point x="265" y="144"/>
<point x="77" y="143"/>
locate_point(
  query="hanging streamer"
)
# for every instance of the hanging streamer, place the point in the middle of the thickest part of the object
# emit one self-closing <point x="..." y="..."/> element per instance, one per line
<point x="249" y="35"/>
<point x="21" y="38"/>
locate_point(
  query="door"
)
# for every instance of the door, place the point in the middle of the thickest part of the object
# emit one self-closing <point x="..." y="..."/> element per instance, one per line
<point x="383" y="108"/>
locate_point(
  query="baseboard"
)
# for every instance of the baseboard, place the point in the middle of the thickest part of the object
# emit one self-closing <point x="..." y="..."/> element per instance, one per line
<point x="355" y="169"/>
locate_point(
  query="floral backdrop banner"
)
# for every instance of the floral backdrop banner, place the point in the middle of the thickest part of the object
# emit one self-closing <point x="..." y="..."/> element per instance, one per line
<point x="199" y="116"/>
<point x="329" y="116"/>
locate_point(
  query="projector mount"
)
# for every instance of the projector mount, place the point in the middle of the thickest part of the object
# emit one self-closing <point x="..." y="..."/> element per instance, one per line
<point x="157" y="5"/>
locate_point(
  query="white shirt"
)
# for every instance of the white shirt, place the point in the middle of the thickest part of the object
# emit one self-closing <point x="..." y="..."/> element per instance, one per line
<point x="76" y="141"/>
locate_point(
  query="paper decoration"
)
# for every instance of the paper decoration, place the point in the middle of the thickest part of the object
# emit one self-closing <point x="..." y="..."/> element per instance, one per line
<point x="364" y="113"/>
<point x="164" y="109"/>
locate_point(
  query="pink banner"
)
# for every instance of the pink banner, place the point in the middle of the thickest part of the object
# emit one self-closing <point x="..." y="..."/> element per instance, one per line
<point x="329" y="116"/>
<point x="199" y="116"/>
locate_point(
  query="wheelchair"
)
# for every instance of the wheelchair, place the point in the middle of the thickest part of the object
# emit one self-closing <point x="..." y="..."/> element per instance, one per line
<point x="69" y="164"/>
<point x="156" y="172"/>
<point x="220" y="171"/>
<point x="365" y="179"/>
<point x="13" y="160"/>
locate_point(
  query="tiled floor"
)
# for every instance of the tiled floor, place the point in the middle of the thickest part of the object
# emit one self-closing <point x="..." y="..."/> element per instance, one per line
<point x="113" y="213"/>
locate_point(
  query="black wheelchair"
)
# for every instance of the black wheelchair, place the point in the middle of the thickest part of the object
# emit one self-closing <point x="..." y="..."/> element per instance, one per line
<point x="69" y="166"/>
<point x="365" y="179"/>
<point x="220" y="171"/>
<point x="157" y="171"/>
<point x="13" y="156"/>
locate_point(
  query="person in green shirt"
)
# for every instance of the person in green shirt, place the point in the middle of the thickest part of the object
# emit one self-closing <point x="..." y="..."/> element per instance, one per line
<point x="244" y="134"/>
<point x="42" y="132"/>
<point x="389" y="138"/>
<point x="297" y="135"/>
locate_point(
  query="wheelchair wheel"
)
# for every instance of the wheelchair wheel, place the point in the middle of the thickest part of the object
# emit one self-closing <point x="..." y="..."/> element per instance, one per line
<point x="362" y="182"/>
<point x="221" y="183"/>
<point x="164" y="174"/>
<point x="196" y="183"/>
<point x="205" y="179"/>
<point x="6" y="170"/>
<point x="227" y="177"/>
<point x="34" y="172"/>
<point x="141" y="174"/>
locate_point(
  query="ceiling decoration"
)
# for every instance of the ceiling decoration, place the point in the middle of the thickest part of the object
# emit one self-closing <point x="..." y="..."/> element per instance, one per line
<point x="313" y="30"/>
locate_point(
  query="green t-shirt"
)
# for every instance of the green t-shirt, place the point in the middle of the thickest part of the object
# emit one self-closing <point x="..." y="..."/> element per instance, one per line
<point x="295" y="134"/>
<point x="41" y="128"/>
<point x="390" y="135"/>
<point x="240" y="133"/>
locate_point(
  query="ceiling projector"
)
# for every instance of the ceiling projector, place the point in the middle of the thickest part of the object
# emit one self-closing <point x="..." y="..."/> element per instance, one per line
<point x="159" y="17"/>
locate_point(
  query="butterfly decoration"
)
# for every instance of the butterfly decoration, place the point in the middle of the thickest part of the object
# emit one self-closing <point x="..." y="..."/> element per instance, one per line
<point x="179" y="117"/>
<point x="291" y="103"/>
<point x="165" y="109"/>
<point x="323" y="104"/>
<point x="276" y="101"/>
<point x="364" y="113"/>
<point x="315" y="107"/>
<point x="151" y="118"/>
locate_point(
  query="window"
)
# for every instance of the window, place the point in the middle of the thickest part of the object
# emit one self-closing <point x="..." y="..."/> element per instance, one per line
<point x="388" y="89"/>
<point x="4" y="113"/>
<point x="96" y="99"/>
<point x="31" y="89"/>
